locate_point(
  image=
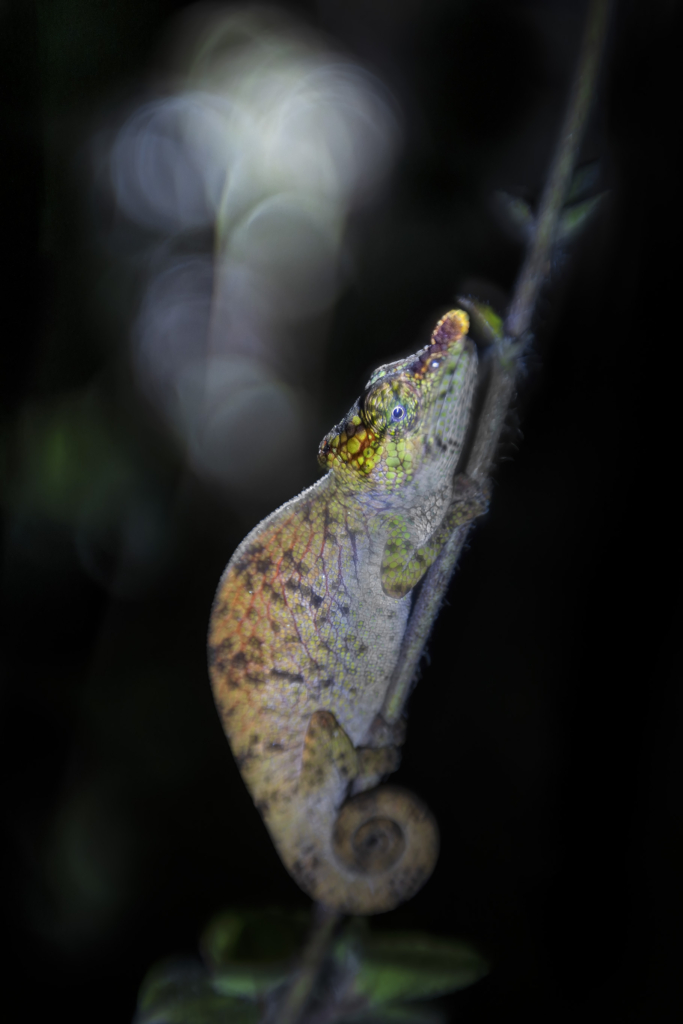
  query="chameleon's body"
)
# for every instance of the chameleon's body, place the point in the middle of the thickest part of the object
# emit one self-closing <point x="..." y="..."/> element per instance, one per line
<point x="308" y="621"/>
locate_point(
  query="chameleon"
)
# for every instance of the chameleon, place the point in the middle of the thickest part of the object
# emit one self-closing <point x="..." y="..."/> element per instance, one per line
<point x="308" y="620"/>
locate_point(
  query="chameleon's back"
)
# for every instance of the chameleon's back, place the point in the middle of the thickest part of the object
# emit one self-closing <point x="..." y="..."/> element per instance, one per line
<point x="290" y="638"/>
<point x="297" y="627"/>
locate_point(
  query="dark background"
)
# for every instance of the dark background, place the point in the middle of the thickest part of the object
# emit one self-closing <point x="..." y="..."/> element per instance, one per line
<point x="546" y="732"/>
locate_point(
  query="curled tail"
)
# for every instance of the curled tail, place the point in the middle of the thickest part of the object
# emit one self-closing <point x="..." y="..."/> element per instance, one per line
<point x="388" y="841"/>
<point x="377" y="851"/>
<point x="361" y="855"/>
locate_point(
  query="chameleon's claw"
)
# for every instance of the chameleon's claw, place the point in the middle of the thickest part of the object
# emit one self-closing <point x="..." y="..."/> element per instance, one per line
<point x="474" y="495"/>
<point x="384" y="734"/>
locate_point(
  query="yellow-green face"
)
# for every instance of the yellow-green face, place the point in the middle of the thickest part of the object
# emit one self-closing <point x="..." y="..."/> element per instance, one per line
<point x="409" y="425"/>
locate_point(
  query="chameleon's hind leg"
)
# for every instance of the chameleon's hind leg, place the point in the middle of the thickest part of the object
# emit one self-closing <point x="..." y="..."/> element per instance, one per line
<point x="331" y="762"/>
<point x="329" y="757"/>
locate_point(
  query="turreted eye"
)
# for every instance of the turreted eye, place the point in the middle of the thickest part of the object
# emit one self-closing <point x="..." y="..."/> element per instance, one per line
<point x="435" y="364"/>
<point x="391" y="405"/>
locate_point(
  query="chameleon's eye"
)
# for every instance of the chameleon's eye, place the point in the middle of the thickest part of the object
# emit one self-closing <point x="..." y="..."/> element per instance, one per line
<point x="391" y="405"/>
<point x="400" y="406"/>
<point x="435" y="364"/>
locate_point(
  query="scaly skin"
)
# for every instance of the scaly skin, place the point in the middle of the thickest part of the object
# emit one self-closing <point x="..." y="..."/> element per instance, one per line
<point x="307" y="626"/>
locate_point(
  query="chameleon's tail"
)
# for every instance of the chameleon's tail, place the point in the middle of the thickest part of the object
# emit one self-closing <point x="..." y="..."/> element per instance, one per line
<point x="383" y="848"/>
<point x="390" y="841"/>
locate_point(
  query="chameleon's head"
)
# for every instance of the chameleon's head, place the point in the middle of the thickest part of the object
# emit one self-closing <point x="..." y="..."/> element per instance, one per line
<point x="408" y="427"/>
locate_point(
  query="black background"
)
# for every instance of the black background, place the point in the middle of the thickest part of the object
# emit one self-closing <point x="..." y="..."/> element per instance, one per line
<point x="546" y="730"/>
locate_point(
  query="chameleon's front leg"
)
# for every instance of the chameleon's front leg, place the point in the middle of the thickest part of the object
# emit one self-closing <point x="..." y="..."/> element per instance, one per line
<point x="403" y="565"/>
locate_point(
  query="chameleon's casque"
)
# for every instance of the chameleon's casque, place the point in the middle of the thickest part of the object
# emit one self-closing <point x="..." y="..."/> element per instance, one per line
<point x="308" y="621"/>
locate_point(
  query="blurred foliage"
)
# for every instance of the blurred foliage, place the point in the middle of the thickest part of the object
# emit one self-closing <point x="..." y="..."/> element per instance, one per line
<point x="70" y="460"/>
<point x="180" y="992"/>
<point x="127" y="821"/>
<point x="66" y="451"/>
<point x="397" y="966"/>
<point x="259" y="935"/>
<point x="249" y="956"/>
<point x="517" y="215"/>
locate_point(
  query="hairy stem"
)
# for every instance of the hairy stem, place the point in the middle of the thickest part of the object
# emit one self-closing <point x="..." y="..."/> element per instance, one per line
<point x="535" y="268"/>
<point x="500" y="392"/>
<point x="296" y="998"/>
<point x="501" y="387"/>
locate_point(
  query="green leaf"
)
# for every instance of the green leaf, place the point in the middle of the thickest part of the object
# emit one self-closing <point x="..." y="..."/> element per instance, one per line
<point x="167" y="978"/>
<point x="250" y="937"/>
<point x="220" y="937"/>
<point x="584" y="180"/>
<point x="181" y="992"/>
<point x="516" y="214"/>
<point x="575" y="218"/>
<point x="486" y="322"/>
<point x="410" y="965"/>
<point x="250" y="954"/>
<point x="249" y="981"/>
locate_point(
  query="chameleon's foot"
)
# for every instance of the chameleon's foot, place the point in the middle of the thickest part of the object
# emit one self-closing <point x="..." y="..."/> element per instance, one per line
<point x="385" y="734"/>
<point x="470" y="499"/>
<point x="374" y="763"/>
<point x="330" y="761"/>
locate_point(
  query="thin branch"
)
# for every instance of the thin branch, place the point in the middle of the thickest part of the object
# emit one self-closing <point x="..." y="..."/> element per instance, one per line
<point x="296" y="998"/>
<point x="536" y="264"/>
<point x="490" y="424"/>
<point x="501" y="387"/>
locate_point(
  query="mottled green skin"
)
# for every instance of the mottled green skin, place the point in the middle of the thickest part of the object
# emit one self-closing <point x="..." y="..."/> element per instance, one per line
<point x="308" y="622"/>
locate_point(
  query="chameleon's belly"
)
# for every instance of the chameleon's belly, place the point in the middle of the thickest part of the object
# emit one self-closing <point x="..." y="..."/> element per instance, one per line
<point x="301" y="624"/>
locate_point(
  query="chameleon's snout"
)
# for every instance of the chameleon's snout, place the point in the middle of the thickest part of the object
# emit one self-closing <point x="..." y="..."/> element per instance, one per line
<point x="450" y="329"/>
<point x="446" y="337"/>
